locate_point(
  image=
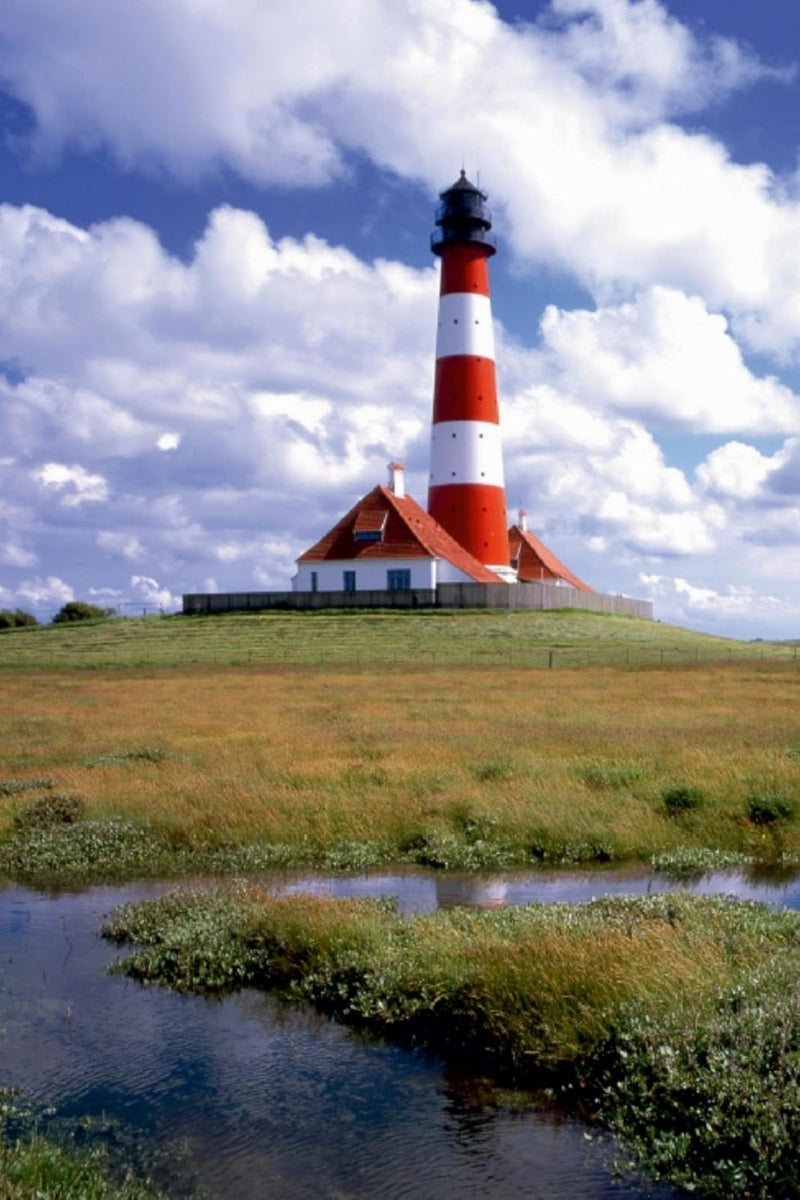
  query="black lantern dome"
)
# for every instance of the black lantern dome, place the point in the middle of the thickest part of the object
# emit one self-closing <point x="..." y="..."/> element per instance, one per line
<point x="462" y="217"/>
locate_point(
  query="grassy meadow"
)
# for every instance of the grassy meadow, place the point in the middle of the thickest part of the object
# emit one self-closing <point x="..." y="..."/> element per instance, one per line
<point x="348" y="765"/>
<point x="471" y="637"/>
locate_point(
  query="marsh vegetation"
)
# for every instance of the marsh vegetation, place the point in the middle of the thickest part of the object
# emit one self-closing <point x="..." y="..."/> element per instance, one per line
<point x="35" y="1165"/>
<point x="674" y="1019"/>
<point x="346" y="742"/>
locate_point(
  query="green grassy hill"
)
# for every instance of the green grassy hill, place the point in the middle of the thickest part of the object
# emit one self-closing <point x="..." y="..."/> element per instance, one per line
<point x="564" y="638"/>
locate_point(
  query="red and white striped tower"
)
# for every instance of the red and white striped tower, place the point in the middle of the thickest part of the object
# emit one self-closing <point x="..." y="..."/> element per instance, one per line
<point x="466" y="494"/>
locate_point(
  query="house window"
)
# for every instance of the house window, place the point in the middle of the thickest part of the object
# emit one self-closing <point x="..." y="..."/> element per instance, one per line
<point x="314" y="581"/>
<point x="349" y="581"/>
<point x="398" y="580"/>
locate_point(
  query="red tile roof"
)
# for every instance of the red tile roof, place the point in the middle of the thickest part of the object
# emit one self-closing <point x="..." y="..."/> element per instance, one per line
<point x="370" y="520"/>
<point x="535" y="562"/>
<point x="409" y="532"/>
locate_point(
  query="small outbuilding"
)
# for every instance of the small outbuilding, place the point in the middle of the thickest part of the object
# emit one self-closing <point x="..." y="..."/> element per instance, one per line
<point x="534" y="563"/>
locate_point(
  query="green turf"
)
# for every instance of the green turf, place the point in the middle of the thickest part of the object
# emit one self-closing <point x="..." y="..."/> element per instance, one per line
<point x="535" y="639"/>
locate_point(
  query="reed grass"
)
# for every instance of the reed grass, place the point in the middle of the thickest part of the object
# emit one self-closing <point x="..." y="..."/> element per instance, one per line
<point x="674" y="1018"/>
<point x="456" y="767"/>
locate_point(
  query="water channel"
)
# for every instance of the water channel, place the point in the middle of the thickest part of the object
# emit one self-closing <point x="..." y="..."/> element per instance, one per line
<point x="248" y="1098"/>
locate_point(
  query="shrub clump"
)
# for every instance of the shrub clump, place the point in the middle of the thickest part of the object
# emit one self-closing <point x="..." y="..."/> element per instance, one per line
<point x="79" y="610"/>
<point x="682" y="799"/>
<point x="464" y="849"/>
<point x="48" y="812"/>
<point x="493" y="771"/>
<point x="769" y="808"/>
<point x="16" y="619"/>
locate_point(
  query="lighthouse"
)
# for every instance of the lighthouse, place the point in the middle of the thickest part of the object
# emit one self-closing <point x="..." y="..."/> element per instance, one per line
<point x="466" y="493"/>
<point x="386" y="549"/>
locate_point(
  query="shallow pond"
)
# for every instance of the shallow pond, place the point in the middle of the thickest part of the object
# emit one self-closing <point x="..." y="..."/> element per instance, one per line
<point x="418" y="891"/>
<point x="247" y="1098"/>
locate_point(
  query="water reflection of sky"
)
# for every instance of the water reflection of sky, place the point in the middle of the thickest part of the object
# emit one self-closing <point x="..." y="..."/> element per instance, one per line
<point x="246" y="1098"/>
<point x="418" y="892"/>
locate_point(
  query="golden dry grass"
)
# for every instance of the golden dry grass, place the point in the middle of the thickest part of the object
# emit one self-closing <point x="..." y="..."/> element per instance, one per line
<point x="381" y="753"/>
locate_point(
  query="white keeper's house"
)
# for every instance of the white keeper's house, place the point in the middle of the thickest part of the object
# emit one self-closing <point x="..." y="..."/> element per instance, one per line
<point x="386" y="542"/>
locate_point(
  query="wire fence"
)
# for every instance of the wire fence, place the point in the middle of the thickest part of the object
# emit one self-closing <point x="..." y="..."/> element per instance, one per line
<point x="95" y="655"/>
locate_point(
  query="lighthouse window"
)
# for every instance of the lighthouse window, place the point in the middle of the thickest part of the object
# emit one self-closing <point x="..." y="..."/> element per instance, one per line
<point x="452" y="435"/>
<point x="398" y="580"/>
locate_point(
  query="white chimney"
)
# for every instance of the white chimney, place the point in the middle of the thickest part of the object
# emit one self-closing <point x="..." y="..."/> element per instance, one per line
<point x="397" y="483"/>
<point x="522" y="520"/>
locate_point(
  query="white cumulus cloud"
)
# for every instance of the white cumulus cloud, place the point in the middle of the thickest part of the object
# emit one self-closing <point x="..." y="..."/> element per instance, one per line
<point x="576" y="125"/>
<point x="14" y="555"/>
<point x="168" y="441"/>
<point x="736" y="470"/>
<point x="149" y="591"/>
<point x="77" y="485"/>
<point x="664" y="357"/>
<point x="50" y="592"/>
<point x="743" y="607"/>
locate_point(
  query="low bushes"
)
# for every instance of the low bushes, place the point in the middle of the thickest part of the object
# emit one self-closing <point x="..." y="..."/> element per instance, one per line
<point x="767" y="808"/>
<point x="49" y="811"/>
<point x="79" y="610"/>
<point x="16" y="618"/>
<point x="47" y="848"/>
<point x="682" y="799"/>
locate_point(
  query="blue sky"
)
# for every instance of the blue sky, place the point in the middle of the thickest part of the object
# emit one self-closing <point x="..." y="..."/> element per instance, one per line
<point x="217" y="301"/>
